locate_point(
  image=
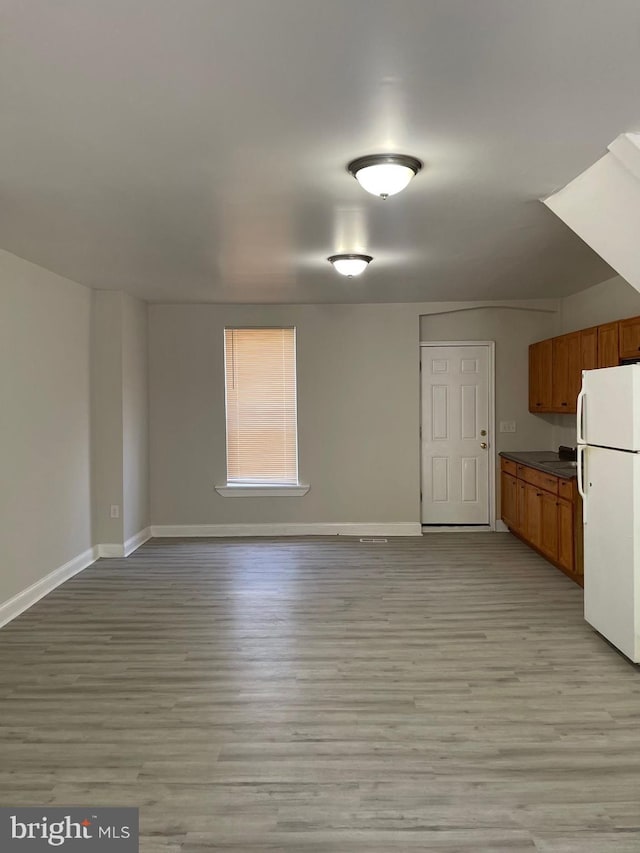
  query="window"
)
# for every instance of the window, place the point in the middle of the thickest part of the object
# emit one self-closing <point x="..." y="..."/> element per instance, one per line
<point x="260" y="384"/>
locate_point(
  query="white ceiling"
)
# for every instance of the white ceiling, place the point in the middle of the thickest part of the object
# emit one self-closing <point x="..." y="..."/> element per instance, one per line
<point x="195" y="150"/>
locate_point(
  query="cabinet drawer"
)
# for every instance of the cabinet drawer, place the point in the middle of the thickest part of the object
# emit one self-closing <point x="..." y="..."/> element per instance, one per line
<point x="538" y="478"/>
<point x="565" y="488"/>
<point x="509" y="467"/>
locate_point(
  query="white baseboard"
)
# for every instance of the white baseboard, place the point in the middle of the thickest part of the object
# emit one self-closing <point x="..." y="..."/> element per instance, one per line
<point x="115" y="550"/>
<point x="456" y="528"/>
<point x="501" y="527"/>
<point x="398" y="528"/>
<point x="136" y="541"/>
<point x="29" y="596"/>
<point x="110" y="550"/>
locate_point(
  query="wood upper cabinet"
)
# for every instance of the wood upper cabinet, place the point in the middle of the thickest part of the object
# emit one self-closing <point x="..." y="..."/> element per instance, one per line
<point x="629" y="338"/>
<point x="589" y="348"/>
<point x="540" y="358"/>
<point x="608" y="345"/>
<point x="566" y="371"/>
<point x="556" y="365"/>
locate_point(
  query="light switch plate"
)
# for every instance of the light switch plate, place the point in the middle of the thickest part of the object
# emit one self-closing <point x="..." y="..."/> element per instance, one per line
<point x="507" y="426"/>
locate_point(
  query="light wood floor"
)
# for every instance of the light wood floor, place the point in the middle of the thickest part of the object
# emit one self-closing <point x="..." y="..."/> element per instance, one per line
<point x="326" y="696"/>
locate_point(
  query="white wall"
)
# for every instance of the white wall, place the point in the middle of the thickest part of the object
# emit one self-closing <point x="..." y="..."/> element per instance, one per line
<point x="106" y="415"/>
<point x="610" y="300"/>
<point x="359" y="397"/>
<point x="135" y="408"/>
<point x="73" y="422"/>
<point x="45" y="493"/>
<point x="119" y="394"/>
<point x="602" y="205"/>
<point x="357" y="414"/>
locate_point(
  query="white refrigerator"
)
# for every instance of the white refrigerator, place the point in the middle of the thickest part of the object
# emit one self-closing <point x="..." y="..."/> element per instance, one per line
<point x="609" y="483"/>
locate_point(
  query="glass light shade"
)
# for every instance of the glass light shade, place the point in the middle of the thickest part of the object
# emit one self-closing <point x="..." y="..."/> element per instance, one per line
<point x="384" y="180"/>
<point x="384" y="174"/>
<point x="350" y="265"/>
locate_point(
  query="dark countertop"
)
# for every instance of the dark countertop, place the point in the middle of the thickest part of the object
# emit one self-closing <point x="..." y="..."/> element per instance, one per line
<point x="543" y="460"/>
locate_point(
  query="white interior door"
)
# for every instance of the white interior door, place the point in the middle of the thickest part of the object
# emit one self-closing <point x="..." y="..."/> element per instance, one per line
<point x="455" y="434"/>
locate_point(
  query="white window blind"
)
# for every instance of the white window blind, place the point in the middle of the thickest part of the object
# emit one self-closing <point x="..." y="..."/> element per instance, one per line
<point x="260" y="381"/>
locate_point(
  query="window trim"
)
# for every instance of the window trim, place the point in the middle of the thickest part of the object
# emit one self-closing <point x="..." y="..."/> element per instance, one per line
<point x="260" y="490"/>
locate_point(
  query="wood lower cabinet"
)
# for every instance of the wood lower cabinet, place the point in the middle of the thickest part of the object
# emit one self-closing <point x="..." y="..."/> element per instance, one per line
<point x="521" y="508"/>
<point x="509" y="499"/>
<point x="546" y="512"/>
<point x="566" y="549"/>
<point x="549" y="526"/>
<point x="629" y="338"/>
<point x="533" y="514"/>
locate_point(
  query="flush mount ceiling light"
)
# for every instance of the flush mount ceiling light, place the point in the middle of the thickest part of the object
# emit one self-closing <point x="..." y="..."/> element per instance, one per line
<point x="350" y="265"/>
<point x="384" y="174"/>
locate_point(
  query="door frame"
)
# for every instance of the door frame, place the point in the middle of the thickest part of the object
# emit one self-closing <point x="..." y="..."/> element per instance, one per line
<point x="491" y="345"/>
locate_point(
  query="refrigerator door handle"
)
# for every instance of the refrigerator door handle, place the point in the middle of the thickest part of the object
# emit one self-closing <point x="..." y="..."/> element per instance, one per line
<point x="580" y="416"/>
<point x="580" y="470"/>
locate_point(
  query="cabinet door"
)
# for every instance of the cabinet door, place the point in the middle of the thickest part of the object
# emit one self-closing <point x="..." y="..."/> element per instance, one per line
<point x="589" y="349"/>
<point x="549" y="525"/>
<point x="508" y="499"/>
<point x="521" y="508"/>
<point x="565" y="535"/>
<point x="533" y="512"/>
<point x="608" y="345"/>
<point x="629" y="338"/>
<point x="566" y="372"/>
<point x="576" y="366"/>
<point x="540" y="356"/>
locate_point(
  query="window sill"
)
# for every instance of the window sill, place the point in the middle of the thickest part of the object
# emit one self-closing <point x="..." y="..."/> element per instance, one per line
<point x="262" y="491"/>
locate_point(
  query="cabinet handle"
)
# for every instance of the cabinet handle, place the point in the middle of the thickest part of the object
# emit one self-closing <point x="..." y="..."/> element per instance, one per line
<point x="565" y="404"/>
<point x="538" y="494"/>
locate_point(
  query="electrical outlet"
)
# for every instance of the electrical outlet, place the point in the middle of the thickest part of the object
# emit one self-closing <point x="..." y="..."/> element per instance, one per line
<point x="507" y="426"/>
<point x="115" y="511"/>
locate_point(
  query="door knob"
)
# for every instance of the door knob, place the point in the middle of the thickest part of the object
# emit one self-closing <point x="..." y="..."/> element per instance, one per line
<point x="483" y="445"/>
